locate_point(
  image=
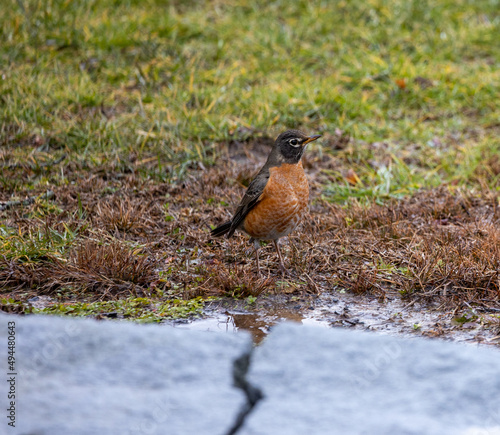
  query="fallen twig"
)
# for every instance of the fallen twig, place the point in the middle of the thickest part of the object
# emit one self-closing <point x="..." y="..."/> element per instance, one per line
<point x="10" y="204"/>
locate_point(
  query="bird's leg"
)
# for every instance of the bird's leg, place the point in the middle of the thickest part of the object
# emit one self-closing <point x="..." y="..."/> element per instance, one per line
<point x="277" y="246"/>
<point x="256" y="246"/>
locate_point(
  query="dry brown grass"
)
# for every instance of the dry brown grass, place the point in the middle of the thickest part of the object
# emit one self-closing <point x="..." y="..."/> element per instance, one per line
<point x="104" y="269"/>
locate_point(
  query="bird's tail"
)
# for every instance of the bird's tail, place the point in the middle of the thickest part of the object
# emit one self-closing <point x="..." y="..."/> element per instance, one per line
<point x="221" y="229"/>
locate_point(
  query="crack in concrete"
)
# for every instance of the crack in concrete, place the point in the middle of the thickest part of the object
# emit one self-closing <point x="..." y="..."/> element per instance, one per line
<point x="252" y="393"/>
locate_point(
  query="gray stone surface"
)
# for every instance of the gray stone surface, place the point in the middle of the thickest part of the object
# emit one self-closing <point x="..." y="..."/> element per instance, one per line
<point x="318" y="381"/>
<point x="78" y="377"/>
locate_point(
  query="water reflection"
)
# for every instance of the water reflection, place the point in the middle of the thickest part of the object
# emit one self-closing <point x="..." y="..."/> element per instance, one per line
<point x="257" y="324"/>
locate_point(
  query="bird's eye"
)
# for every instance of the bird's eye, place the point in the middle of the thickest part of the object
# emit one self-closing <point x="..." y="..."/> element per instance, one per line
<point x="294" y="142"/>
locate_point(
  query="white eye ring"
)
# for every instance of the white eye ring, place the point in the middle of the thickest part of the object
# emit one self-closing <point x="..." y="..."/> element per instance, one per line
<point x="294" y="142"/>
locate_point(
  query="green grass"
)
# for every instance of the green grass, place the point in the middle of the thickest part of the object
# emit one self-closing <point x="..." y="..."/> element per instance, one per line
<point x="140" y="309"/>
<point x="34" y="245"/>
<point x="175" y="79"/>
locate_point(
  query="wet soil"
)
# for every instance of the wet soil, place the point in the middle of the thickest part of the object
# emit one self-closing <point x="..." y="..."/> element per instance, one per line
<point x="392" y="316"/>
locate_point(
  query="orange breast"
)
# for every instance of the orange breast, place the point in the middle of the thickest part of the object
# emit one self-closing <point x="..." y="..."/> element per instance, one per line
<point x="283" y="204"/>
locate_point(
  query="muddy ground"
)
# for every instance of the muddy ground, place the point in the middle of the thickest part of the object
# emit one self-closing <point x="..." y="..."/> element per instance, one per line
<point x="426" y="265"/>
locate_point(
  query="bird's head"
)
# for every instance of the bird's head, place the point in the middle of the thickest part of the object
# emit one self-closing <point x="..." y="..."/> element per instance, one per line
<point x="291" y="144"/>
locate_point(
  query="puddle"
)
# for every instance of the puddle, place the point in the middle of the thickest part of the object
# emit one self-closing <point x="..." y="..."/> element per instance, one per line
<point x="258" y="324"/>
<point x="393" y="316"/>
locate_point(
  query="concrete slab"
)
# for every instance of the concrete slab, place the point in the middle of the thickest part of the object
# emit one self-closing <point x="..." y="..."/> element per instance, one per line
<point x="318" y="381"/>
<point x="84" y="377"/>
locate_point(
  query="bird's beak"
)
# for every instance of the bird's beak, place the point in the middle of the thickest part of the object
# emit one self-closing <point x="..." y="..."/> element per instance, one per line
<point x="310" y="139"/>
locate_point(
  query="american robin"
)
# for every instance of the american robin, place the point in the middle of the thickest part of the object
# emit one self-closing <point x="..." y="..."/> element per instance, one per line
<point x="277" y="198"/>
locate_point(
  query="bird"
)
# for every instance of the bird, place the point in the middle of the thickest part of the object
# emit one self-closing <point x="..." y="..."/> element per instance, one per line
<point x="277" y="199"/>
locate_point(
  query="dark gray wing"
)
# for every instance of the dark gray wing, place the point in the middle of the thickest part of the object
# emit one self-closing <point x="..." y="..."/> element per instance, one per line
<point x="250" y="200"/>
